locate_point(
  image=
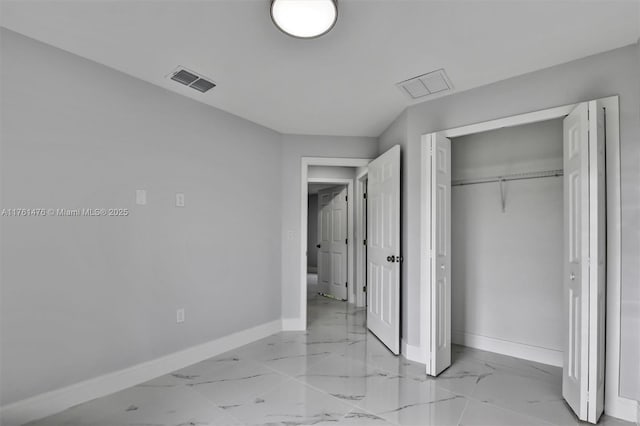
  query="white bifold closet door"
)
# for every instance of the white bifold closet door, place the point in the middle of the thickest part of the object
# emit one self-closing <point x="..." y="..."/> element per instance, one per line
<point x="439" y="235"/>
<point x="383" y="248"/>
<point x="584" y="265"/>
<point x="584" y="258"/>
<point x="332" y="253"/>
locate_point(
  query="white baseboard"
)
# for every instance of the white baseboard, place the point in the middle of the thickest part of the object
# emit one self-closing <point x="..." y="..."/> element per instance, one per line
<point x="293" y="324"/>
<point x="622" y="408"/>
<point x="58" y="400"/>
<point x="518" y="350"/>
<point x="413" y="353"/>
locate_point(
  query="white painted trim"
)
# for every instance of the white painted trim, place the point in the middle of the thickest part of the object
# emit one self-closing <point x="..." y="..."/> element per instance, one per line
<point x="363" y="174"/>
<point x="614" y="405"/>
<point x="361" y="249"/>
<point x="413" y="353"/>
<point x="338" y="181"/>
<point x="58" y="400"/>
<point x="516" y="120"/>
<point x="336" y="161"/>
<point x="293" y="324"/>
<point x="350" y="234"/>
<point x="622" y="408"/>
<point x="514" y="349"/>
<point x="305" y="162"/>
<point x="425" y="247"/>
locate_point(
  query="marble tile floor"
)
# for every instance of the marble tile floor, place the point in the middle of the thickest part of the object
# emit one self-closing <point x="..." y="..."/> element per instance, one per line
<point x="335" y="373"/>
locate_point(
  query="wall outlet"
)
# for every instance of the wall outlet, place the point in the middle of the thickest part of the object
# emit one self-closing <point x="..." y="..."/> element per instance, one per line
<point x="180" y="315"/>
<point x="179" y="199"/>
<point x="141" y="197"/>
<point x="290" y="235"/>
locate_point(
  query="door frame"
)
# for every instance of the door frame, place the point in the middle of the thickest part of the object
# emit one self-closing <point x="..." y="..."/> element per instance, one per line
<point x="305" y="162"/>
<point x="349" y="184"/>
<point x="614" y="404"/>
<point x="361" y="249"/>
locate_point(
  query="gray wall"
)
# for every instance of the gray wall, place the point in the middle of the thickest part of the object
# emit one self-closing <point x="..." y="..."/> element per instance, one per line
<point x="630" y="314"/>
<point x="86" y="296"/>
<point x="507" y="270"/>
<point x="294" y="147"/>
<point x="312" y="231"/>
<point x="610" y="73"/>
<point x="331" y="172"/>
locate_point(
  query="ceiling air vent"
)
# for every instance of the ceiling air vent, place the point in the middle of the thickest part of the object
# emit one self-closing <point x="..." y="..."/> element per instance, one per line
<point x="426" y="84"/>
<point x="191" y="79"/>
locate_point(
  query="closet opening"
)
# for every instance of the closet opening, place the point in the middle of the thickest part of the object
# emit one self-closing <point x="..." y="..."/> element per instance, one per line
<point x="507" y="241"/>
<point x="521" y="252"/>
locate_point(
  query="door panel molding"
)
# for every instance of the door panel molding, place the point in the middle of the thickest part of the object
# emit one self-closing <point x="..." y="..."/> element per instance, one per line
<point x="439" y="237"/>
<point x="383" y="248"/>
<point x="576" y="266"/>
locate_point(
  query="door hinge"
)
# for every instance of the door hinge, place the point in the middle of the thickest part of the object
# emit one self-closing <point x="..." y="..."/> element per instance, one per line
<point x="346" y="284"/>
<point x="364" y="242"/>
<point x="364" y="288"/>
<point x="346" y="198"/>
<point x="346" y="241"/>
<point x="364" y="195"/>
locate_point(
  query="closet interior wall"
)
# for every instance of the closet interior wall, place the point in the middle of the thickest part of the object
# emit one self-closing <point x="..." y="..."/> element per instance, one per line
<point x="507" y="243"/>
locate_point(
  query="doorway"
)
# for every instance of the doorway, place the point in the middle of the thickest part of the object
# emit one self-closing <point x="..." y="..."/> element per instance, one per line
<point x="382" y="250"/>
<point x="585" y="238"/>
<point x="328" y="238"/>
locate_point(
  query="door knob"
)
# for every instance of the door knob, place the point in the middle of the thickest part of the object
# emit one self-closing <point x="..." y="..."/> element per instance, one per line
<point x="391" y="258"/>
<point x="318" y="245"/>
<point x="572" y="276"/>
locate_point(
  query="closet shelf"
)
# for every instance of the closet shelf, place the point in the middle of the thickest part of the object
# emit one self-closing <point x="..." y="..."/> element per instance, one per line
<point x="505" y="178"/>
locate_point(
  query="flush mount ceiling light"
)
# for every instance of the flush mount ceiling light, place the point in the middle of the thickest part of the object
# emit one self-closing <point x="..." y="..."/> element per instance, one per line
<point x="304" y="18"/>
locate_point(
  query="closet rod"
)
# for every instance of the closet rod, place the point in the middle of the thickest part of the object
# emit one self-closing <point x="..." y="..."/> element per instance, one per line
<point x="505" y="178"/>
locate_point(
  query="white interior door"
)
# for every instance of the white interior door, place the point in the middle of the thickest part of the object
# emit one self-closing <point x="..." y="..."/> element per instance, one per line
<point x="584" y="252"/>
<point x="338" y="246"/>
<point x="324" y="243"/>
<point x="383" y="248"/>
<point x="332" y="250"/>
<point x="440" y="255"/>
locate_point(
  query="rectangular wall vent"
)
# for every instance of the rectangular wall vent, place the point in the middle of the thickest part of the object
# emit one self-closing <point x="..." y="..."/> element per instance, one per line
<point x="426" y="84"/>
<point x="191" y="79"/>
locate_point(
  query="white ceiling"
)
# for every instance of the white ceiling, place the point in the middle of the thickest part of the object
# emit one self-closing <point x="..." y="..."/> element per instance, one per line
<point x="342" y="83"/>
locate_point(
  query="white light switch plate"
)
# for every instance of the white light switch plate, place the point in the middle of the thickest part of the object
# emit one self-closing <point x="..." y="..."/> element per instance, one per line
<point x="179" y="199"/>
<point x="180" y="315"/>
<point x="141" y="197"/>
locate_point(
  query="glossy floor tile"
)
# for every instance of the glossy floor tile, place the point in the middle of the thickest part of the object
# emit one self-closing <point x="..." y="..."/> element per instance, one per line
<point x="337" y="373"/>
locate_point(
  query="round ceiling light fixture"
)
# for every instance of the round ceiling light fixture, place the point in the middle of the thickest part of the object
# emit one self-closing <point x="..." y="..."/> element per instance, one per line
<point x="304" y="18"/>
